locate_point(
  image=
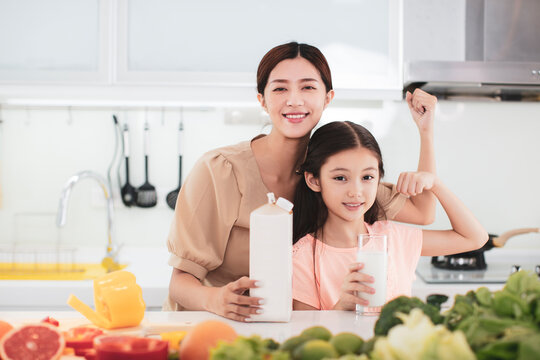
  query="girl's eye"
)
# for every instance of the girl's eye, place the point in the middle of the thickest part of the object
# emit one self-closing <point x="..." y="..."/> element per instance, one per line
<point x="339" y="178"/>
<point x="368" y="177"/>
<point x="279" y="89"/>
<point x="309" y="87"/>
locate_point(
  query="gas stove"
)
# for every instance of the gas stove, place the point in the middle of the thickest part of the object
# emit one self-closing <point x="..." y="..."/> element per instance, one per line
<point x="451" y="269"/>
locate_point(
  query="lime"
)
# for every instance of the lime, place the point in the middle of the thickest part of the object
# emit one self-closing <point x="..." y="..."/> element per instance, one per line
<point x="316" y="350"/>
<point x="292" y="343"/>
<point x="317" y="332"/>
<point x="347" y="343"/>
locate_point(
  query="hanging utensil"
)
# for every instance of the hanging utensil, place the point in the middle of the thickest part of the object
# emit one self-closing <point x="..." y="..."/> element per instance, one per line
<point x="117" y="156"/>
<point x="146" y="193"/>
<point x="173" y="195"/>
<point x="128" y="192"/>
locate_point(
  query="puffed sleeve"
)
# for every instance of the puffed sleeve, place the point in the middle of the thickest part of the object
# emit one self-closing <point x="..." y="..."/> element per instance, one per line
<point x="206" y="210"/>
<point x="391" y="201"/>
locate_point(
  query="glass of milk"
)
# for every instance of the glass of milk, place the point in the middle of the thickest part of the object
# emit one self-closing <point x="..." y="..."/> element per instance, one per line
<point x="373" y="253"/>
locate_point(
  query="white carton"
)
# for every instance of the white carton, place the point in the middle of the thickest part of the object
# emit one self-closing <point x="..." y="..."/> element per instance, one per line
<point x="270" y="258"/>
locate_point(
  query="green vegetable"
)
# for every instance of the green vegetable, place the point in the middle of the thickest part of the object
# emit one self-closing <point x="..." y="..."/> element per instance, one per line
<point x="436" y="300"/>
<point x="419" y="338"/>
<point x="403" y="304"/>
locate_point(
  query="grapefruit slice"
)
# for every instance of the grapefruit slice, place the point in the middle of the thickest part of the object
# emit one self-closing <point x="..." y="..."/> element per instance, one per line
<point x="33" y="341"/>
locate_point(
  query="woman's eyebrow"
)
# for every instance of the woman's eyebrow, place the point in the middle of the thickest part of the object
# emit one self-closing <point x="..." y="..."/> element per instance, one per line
<point x="286" y="81"/>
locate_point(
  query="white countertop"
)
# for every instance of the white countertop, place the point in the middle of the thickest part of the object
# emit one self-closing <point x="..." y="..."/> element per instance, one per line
<point x="335" y="321"/>
<point x="149" y="265"/>
<point x="153" y="274"/>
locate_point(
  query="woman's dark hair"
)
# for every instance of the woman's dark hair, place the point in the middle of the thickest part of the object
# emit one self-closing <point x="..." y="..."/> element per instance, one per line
<point x="310" y="211"/>
<point x="290" y="51"/>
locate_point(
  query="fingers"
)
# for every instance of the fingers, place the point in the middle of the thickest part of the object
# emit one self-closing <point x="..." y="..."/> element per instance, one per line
<point x="414" y="183"/>
<point x="422" y="101"/>
<point x="350" y="300"/>
<point x="237" y="306"/>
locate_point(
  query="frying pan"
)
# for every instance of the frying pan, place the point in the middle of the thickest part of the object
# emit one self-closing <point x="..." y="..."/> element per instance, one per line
<point x="493" y="241"/>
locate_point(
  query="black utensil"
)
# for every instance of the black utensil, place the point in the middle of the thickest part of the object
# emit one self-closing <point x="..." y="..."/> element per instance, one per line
<point x="128" y="192"/>
<point x="146" y="193"/>
<point x="173" y="195"/>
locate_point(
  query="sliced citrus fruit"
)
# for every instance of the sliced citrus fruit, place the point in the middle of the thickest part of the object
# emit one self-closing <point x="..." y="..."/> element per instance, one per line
<point x="34" y="341"/>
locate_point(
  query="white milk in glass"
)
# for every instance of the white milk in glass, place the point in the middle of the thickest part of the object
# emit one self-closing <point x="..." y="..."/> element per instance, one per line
<point x="375" y="264"/>
<point x="373" y="253"/>
<point x="270" y="258"/>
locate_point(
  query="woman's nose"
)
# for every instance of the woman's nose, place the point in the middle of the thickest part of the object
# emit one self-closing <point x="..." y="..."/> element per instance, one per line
<point x="295" y="98"/>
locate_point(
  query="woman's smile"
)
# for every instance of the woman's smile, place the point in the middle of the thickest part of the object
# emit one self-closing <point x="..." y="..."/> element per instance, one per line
<point x="296" y="117"/>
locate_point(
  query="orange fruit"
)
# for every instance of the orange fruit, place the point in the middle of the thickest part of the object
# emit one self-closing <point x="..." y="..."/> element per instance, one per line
<point x="4" y="328"/>
<point x="36" y="341"/>
<point x="204" y="336"/>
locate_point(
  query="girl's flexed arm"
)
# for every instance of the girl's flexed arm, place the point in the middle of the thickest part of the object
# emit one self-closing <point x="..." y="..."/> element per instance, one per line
<point x="467" y="233"/>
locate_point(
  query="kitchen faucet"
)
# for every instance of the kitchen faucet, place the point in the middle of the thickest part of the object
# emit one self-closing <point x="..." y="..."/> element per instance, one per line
<point x="110" y="261"/>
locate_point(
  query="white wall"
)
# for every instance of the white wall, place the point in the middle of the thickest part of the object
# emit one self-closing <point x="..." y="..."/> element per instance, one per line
<point x="486" y="152"/>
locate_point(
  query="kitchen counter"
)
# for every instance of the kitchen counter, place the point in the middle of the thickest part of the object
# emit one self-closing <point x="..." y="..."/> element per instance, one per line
<point x="149" y="265"/>
<point x="335" y="321"/>
<point x="153" y="274"/>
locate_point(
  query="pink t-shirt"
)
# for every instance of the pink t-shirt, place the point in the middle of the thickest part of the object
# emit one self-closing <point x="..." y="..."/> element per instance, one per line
<point x="332" y="265"/>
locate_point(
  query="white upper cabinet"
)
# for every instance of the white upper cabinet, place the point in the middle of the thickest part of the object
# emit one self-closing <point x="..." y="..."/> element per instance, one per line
<point x="205" y="45"/>
<point x="221" y="42"/>
<point x="54" y="41"/>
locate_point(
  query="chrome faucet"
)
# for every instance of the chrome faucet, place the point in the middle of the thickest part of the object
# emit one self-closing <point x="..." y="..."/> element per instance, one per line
<point x="110" y="261"/>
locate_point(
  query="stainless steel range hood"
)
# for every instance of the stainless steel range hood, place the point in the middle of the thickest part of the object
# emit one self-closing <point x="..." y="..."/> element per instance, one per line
<point x="502" y="55"/>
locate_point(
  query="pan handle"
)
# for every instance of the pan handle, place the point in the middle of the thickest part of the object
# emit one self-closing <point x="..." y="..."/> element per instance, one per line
<point x="499" y="241"/>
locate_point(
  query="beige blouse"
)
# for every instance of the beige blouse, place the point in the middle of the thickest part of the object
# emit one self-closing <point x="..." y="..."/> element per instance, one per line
<point x="209" y="236"/>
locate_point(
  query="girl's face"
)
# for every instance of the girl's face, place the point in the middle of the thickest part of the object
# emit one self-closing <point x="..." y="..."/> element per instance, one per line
<point x="348" y="183"/>
<point x="295" y="97"/>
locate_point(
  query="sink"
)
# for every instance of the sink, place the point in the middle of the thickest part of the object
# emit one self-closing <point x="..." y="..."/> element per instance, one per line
<point x="52" y="271"/>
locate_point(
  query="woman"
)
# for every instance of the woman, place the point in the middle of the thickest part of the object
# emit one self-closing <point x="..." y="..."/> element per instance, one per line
<point x="209" y="237"/>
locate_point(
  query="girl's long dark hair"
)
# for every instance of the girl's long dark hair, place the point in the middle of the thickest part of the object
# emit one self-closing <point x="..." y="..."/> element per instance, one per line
<point x="310" y="211"/>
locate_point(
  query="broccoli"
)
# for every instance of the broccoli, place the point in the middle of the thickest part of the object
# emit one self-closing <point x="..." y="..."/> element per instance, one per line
<point x="403" y="304"/>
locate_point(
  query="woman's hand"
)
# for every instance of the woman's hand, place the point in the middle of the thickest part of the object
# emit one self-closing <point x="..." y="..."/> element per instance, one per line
<point x="414" y="183"/>
<point x="353" y="285"/>
<point x="229" y="302"/>
<point x="422" y="106"/>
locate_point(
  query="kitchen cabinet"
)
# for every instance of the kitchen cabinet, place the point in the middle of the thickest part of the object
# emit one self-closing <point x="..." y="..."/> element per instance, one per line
<point x="135" y="50"/>
<point x="56" y="41"/>
<point x="211" y="42"/>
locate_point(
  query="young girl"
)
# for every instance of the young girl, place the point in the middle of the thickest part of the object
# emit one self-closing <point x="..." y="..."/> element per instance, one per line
<point x="337" y="202"/>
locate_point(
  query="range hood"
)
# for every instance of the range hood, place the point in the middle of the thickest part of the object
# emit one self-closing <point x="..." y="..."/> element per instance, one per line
<point x="502" y="56"/>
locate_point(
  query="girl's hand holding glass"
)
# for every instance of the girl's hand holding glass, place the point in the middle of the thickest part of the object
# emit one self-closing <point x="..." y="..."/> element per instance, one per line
<point x="414" y="183"/>
<point x="353" y="285"/>
<point x="230" y="303"/>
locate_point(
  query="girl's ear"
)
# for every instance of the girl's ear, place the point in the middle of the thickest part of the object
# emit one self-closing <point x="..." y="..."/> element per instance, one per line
<point x="312" y="182"/>
<point x="260" y="97"/>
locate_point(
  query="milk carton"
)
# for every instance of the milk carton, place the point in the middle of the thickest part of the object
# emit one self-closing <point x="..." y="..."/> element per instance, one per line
<point x="270" y="258"/>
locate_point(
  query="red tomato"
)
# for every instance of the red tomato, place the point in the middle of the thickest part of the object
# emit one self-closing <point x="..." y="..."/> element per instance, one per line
<point x="121" y="347"/>
<point x="81" y="338"/>
<point x="50" y="320"/>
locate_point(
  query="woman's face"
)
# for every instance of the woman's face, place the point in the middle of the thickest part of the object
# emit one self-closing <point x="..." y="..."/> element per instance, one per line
<point x="295" y="97"/>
